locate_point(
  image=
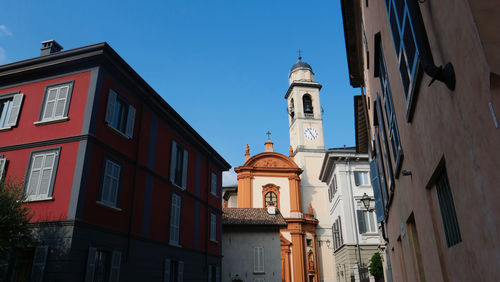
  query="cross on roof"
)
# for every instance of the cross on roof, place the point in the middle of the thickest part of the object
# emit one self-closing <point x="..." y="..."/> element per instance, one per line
<point x="268" y="135"/>
<point x="300" y="54"/>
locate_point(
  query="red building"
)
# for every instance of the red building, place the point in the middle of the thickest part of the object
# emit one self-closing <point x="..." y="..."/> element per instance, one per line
<point x="120" y="186"/>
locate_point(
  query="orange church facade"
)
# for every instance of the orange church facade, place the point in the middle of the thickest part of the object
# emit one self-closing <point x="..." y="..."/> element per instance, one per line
<point x="271" y="178"/>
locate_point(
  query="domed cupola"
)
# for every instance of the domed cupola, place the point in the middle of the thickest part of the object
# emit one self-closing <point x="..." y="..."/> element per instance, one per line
<point x="301" y="71"/>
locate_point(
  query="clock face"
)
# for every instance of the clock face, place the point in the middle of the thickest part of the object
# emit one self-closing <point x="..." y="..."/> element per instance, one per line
<point x="310" y="133"/>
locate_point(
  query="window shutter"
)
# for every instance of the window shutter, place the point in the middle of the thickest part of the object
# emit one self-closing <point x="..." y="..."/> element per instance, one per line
<point x="115" y="266"/>
<point x="261" y="259"/>
<point x="210" y="270"/>
<point x="255" y="259"/>
<point x="62" y="99"/>
<point x="89" y="275"/>
<point x="173" y="162"/>
<point x="379" y="206"/>
<point x="166" y="271"/>
<point x="356" y="178"/>
<point x="130" y="122"/>
<point x="181" y="271"/>
<point x="39" y="261"/>
<point x="361" y="221"/>
<point x="2" y="167"/>
<point x="110" y="108"/>
<point x="34" y="179"/>
<point x="15" y="110"/>
<point x="217" y="273"/>
<point x="184" y="169"/>
<point x="340" y="232"/>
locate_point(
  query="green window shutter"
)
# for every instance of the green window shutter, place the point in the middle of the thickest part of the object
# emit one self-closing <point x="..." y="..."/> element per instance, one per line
<point x="173" y="161"/>
<point x="184" y="169"/>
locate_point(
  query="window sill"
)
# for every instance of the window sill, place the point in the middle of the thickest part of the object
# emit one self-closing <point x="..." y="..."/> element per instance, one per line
<point x="259" y="272"/>
<point x="214" y="241"/>
<point x="367" y="234"/>
<point x="174" y="244"/>
<point x="180" y="187"/>
<point x="6" y="128"/>
<point x="215" y="195"/>
<point x="39" y="200"/>
<point x="50" y="121"/>
<point x="108" y="206"/>
<point x="118" y="131"/>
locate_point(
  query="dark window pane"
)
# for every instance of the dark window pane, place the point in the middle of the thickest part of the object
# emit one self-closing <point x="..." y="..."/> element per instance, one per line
<point x="409" y="43"/>
<point x="404" y="75"/>
<point x="400" y="8"/>
<point x="395" y="31"/>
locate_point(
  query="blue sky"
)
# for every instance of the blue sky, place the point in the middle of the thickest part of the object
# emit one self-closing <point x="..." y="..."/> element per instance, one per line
<point x="222" y="65"/>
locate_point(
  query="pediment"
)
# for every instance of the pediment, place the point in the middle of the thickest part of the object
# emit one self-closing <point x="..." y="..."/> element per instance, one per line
<point x="271" y="160"/>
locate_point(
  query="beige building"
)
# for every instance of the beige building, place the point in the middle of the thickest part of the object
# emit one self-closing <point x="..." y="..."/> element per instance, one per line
<point x="429" y="73"/>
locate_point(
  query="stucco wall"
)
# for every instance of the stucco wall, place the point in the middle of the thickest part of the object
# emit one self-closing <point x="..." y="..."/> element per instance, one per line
<point x="237" y="250"/>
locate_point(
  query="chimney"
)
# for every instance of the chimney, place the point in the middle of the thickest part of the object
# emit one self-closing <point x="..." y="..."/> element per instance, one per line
<point x="271" y="209"/>
<point x="50" y="47"/>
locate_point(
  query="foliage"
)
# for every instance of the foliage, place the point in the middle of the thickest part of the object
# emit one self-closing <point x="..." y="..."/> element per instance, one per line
<point x="14" y="218"/>
<point x="376" y="268"/>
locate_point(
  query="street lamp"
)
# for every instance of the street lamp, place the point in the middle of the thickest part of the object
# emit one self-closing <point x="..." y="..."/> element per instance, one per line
<point x="366" y="201"/>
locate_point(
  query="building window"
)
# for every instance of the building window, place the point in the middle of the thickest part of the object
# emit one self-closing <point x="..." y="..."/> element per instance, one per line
<point x="271" y="194"/>
<point x="307" y="103"/>
<point x="10" y="106"/>
<point x="405" y="44"/>
<point x="175" y="218"/>
<point x="213" y="273"/>
<point x="258" y="259"/>
<point x="173" y="271"/>
<point x="120" y="115"/>
<point x="361" y="178"/>
<point x="213" y="227"/>
<point x="3" y="162"/>
<point x="448" y="214"/>
<point x="271" y="199"/>
<point x="366" y="222"/>
<point x="338" y="240"/>
<point x="390" y="114"/>
<point x="178" y="165"/>
<point x="111" y="183"/>
<point x="41" y="174"/>
<point x="213" y="184"/>
<point x="56" y="101"/>
<point x="103" y="265"/>
<point x="381" y="141"/>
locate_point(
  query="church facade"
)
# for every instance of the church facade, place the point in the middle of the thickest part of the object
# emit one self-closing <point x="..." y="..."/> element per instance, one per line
<point x="291" y="183"/>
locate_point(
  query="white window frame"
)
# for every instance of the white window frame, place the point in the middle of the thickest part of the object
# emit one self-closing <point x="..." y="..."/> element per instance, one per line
<point x="214" y="184"/>
<point x="361" y="178"/>
<point x="58" y="101"/>
<point x="369" y="220"/>
<point x="178" y="165"/>
<point x="258" y="259"/>
<point x="110" y="188"/>
<point x="9" y="117"/>
<point x="175" y="219"/>
<point x="110" y="117"/>
<point x="213" y="227"/>
<point x="51" y="170"/>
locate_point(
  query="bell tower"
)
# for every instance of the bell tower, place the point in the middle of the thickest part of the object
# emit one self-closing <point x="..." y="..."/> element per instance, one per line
<point x="304" y="110"/>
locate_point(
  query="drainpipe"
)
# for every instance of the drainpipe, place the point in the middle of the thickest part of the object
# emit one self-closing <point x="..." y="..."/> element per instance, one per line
<point x="354" y="215"/>
<point x="444" y="74"/>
